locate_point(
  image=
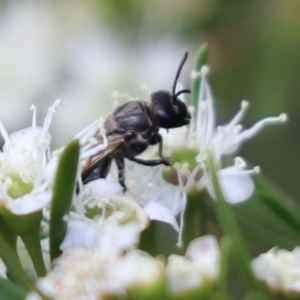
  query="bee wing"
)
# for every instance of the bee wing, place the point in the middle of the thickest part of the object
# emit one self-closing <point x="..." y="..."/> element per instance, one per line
<point x="97" y="166"/>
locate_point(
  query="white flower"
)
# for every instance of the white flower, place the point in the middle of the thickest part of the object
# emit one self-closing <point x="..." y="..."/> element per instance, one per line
<point x="101" y="203"/>
<point x="80" y="273"/>
<point x="279" y="269"/>
<point x="109" y="223"/>
<point x="164" y="201"/>
<point x="218" y="142"/>
<point x="85" y="273"/>
<point x="92" y="140"/>
<point x="198" y="268"/>
<point x="24" y="180"/>
<point x="138" y="270"/>
<point x="93" y="246"/>
<point x="109" y="237"/>
<point x="160" y="200"/>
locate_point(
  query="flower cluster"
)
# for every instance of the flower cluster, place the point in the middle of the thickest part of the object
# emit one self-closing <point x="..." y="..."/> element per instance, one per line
<point x="91" y="273"/>
<point x="99" y="253"/>
<point x="219" y="142"/>
<point x="279" y="269"/>
<point x="25" y="178"/>
<point x="161" y="198"/>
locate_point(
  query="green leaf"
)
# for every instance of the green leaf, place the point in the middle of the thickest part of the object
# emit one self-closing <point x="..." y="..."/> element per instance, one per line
<point x="8" y="234"/>
<point x="64" y="188"/>
<point x="279" y="203"/>
<point x="226" y="249"/>
<point x="257" y="296"/>
<point x="13" y="265"/>
<point x="263" y="227"/>
<point x="195" y="216"/>
<point x="265" y="236"/>
<point x="9" y="290"/>
<point x="230" y="227"/>
<point x="28" y="228"/>
<point x="201" y="60"/>
<point x="159" y="238"/>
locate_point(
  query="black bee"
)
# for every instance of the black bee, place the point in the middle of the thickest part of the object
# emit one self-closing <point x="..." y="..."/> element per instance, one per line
<point x="132" y="127"/>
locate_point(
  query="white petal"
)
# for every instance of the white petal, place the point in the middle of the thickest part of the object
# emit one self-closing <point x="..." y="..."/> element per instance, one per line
<point x="169" y="196"/>
<point x="109" y="237"/>
<point x="113" y="239"/>
<point x="205" y="254"/>
<point x="236" y="187"/>
<point x="105" y="187"/>
<point x="279" y="269"/>
<point x="2" y="269"/>
<point x="80" y="232"/>
<point x="29" y="203"/>
<point x="137" y="269"/>
<point x="204" y="246"/>
<point x="33" y="296"/>
<point x="159" y="212"/>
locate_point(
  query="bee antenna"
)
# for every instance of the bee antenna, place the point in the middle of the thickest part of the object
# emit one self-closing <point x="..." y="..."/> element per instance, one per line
<point x="177" y="76"/>
<point x="181" y="92"/>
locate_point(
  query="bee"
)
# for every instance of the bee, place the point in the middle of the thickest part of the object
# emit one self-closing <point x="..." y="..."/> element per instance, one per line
<point x="132" y="127"/>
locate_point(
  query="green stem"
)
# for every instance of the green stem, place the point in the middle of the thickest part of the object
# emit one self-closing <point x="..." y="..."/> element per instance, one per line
<point x="33" y="246"/>
<point x="13" y="265"/>
<point x="203" y="215"/>
<point x="10" y="238"/>
<point x="195" y="218"/>
<point x="28" y="228"/>
<point x="9" y="235"/>
<point x="11" y="291"/>
<point x="226" y="249"/>
<point x="189" y="220"/>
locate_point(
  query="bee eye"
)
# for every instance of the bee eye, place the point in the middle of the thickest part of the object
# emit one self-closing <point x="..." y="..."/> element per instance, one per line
<point x="167" y="112"/>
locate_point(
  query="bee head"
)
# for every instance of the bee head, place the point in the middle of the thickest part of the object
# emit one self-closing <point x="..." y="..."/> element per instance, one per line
<point x="168" y="111"/>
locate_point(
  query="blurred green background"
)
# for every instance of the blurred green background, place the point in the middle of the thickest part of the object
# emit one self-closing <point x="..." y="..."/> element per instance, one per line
<point x="83" y="51"/>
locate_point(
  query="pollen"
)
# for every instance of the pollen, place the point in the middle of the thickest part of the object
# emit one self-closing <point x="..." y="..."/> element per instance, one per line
<point x="283" y="117"/>
<point x="244" y="104"/>
<point x="32" y="107"/>
<point x="52" y="109"/>
<point x="204" y="70"/>
<point x="256" y="169"/>
<point x="195" y="74"/>
<point x="239" y="162"/>
<point x="191" y="109"/>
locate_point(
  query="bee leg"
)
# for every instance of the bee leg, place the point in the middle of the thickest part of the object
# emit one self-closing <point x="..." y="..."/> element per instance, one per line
<point x="158" y="139"/>
<point x="151" y="162"/>
<point x="160" y="145"/>
<point x="121" y="173"/>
